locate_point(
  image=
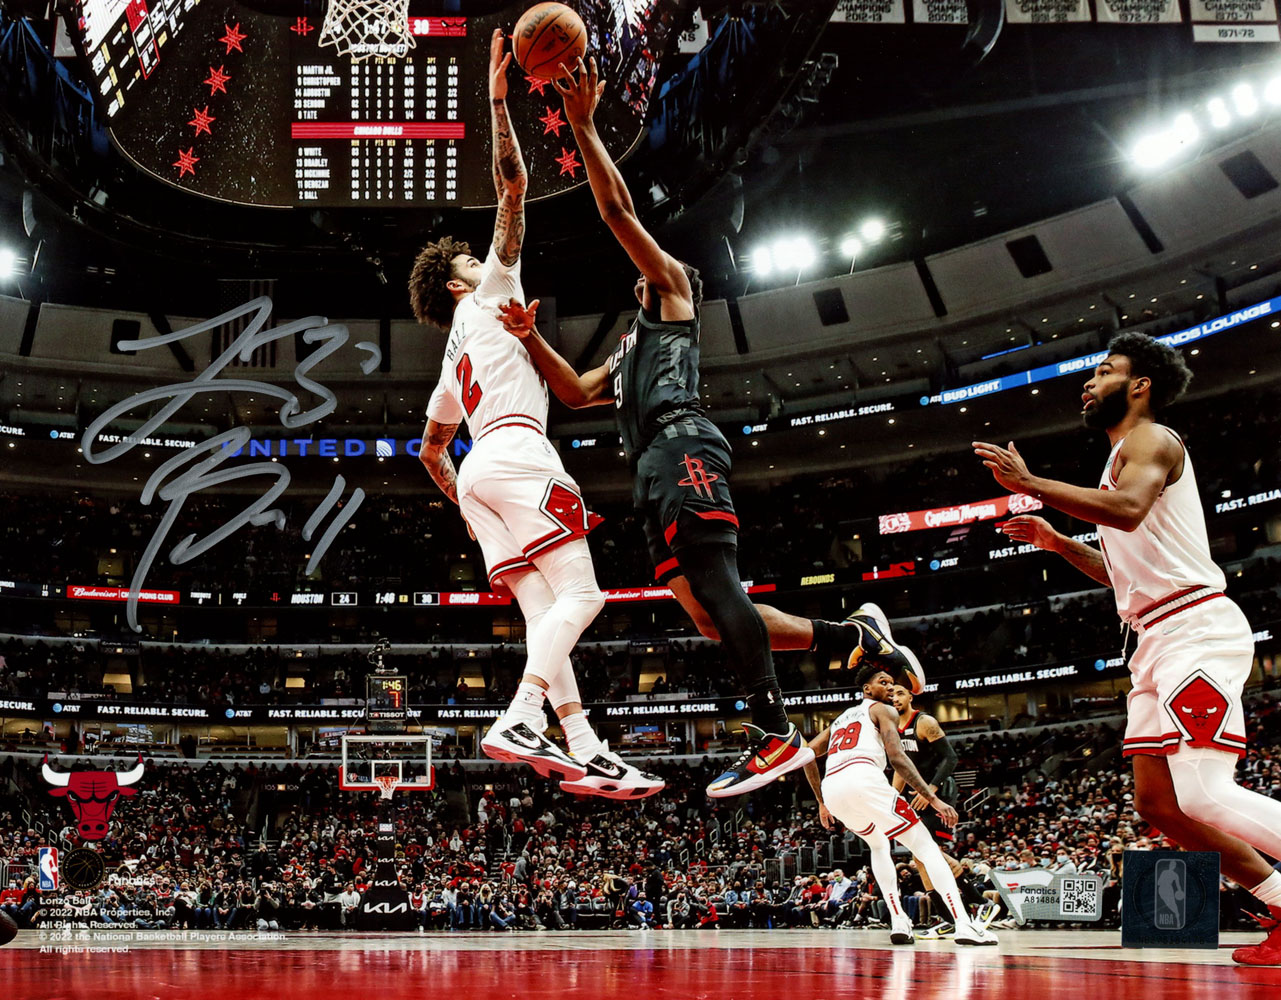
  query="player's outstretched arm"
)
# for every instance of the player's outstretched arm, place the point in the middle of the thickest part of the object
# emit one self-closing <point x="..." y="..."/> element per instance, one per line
<point x="886" y="719"/>
<point x="510" y="180"/>
<point x="662" y="271"/>
<point x="1147" y="458"/>
<point x="574" y="390"/>
<point x="1038" y="531"/>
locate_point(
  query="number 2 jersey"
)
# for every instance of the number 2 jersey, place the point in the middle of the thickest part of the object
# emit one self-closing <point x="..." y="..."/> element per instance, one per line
<point x="486" y="376"/>
<point x="856" y="739"/>
<point x="654" y="378"/>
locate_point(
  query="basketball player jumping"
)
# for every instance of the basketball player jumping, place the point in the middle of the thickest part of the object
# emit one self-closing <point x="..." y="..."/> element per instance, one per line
<point x="855" y="791"/>
<point x="523" y="508"/>
<point x="681" y="465"/>
<point x="1186" y="725"/>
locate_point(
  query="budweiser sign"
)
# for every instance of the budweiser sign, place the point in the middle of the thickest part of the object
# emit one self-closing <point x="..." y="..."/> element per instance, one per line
<point x="966" y="513"/>
<point x="84" y="593"/>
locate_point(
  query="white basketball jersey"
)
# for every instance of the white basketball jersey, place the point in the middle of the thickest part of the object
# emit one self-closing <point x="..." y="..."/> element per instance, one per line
<point x="486" y="376"/>
<point x="855" y="739"/>
<point x="1167" y="553"/>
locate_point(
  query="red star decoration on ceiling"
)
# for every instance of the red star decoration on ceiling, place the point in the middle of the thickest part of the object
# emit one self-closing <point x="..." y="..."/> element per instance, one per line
<point x="302" y="27"/>
<point x="217" y="80"/>
<point x="536" y="83"/>
<point x="186" y="163"/>
<point x="202" y="120"/>
<point x="552" y="122"/>
<point x="568" y="161"/>
<point x="233" y="38"/>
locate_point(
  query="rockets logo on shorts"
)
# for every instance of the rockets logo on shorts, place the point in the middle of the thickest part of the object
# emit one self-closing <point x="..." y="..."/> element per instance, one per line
<point x="697" y="477"/>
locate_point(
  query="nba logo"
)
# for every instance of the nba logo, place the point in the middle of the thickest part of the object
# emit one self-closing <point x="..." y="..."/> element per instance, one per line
<point x="1171" y="911"/>
<point x="48" y="869"/>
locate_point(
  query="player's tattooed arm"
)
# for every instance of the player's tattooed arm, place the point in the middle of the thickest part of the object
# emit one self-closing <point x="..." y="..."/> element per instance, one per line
<point x="434" y="455"/>
<point x="886" y="720"/>
<point x="510" y="179"/>
<point x="1038" y="531"/>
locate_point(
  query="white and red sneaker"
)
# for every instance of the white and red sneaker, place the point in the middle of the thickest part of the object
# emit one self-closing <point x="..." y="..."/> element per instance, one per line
<point x="611" y="777"/>
<point x="1267" y="951"/>
<point x="522" y="743"/>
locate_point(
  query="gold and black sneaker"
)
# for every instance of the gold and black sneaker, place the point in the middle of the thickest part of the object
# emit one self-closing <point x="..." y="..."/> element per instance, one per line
<point x="877" y="644"/>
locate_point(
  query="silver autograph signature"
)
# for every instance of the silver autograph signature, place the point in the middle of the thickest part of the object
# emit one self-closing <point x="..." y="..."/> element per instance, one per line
<point x="203" y="473"/>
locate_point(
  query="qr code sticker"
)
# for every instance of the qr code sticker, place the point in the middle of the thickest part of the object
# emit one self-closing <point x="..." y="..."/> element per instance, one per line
<point x="1079" y="897"/>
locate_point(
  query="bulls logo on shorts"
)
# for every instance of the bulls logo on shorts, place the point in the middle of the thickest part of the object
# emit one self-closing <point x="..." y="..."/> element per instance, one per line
<point x="566" y="507"/>
<point x="1200" y="711"/>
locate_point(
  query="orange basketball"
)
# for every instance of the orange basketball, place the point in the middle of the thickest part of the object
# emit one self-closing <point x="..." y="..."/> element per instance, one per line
<point x="547" y="35"/>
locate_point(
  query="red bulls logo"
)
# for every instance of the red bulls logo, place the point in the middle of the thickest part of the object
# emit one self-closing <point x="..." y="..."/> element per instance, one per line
<point x="1200" y="711"/>
<point x="92" y="795"/>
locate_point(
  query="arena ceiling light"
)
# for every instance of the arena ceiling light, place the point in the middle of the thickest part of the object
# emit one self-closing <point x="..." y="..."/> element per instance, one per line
<point x="762" y="261"/>
<point x="1220" y="116"/>
<point x="872" y="230"/>
<point x="1272" y="91"/>
<point x="851" y="247"/>
<point x="8" y="263"/>
<point x="793" y="254"/>
<point x="1244" y="100"/>
<point x="1156" y="149"/>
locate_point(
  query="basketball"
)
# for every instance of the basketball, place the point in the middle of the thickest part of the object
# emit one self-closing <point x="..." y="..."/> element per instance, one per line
<point x="8" y="929"/>
<point x="547" y="35"/>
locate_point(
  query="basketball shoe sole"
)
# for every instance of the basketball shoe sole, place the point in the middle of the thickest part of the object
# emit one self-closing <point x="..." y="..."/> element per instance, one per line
<point x="611" y="778"/>
<point x="520" y="743"/>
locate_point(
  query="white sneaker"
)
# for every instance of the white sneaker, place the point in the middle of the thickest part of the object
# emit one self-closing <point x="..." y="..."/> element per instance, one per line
<point x="901" y="931"/>
<point x="611" y="777"/>
<point x="972" y="933"/>
<point x="522" y="743"/>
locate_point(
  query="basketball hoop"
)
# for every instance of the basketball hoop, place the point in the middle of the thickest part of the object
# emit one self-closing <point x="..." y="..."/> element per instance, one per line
<point x="386" y="784"/>
<point x="359" y="29"/>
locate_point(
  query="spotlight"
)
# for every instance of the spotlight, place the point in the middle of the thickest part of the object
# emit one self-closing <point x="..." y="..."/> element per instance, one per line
<point x="872" y="230"/>
<point x="8" y="263"/>
<point x="1220" y="117"/>
<point x="851" y="247"/>
<point x="1244" y="99"/>
<point x="1154" y="150"/>
<point x="793" y="254"/>
<point x="762" y="262"/>
<point x="1185" y="129"/>
<point x="1272" y="92"/>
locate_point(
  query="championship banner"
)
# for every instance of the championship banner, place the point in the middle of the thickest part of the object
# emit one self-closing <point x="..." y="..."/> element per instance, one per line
<point x="966" y="513"/>
<point x="1138" y="11"/>
<point x="870" y="12"/>
<point x="1040" y="894"/>
<point x="1232" y="11"/>
<point x="940" y="12"/>
<point x="1046" y="11"/>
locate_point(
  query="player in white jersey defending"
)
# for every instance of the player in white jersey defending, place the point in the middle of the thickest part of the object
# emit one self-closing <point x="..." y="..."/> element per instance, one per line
<point x="519" y="503"/>
<point x="856" y="792"/>
<point x="1186" y="727"/>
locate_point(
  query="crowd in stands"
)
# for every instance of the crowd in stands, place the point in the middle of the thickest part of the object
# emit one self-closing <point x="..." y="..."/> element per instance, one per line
<point x="493" y="848"/>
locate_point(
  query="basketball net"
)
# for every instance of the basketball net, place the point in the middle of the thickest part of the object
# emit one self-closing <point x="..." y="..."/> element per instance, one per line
<point x="360" y="29"/>
<point x="386" y="784"/>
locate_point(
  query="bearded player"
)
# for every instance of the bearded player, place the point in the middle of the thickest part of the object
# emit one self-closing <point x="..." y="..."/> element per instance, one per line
<point x="521" y="506"/>
<point x="1186" y="725"/>
<point x="681" y="466"/>
<point x="855" y="791"/>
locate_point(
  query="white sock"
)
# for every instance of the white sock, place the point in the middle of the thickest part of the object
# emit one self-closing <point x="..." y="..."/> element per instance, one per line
<point x="582" y="739"/>
<point x="1269" y="890"/>
<point x="527" y="706"/>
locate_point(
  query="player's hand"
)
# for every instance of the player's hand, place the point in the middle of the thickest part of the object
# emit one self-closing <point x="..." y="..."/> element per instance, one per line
<point x="1029" y="528"/>
<point x="946" y="812"/>
<point x="581" y="94"/>
<point x="825" y="817"/>
<point x="1007" y="465"/>
<point x="498" y="63"/>
<point x="919" y="802"/>
<point x="518" y="320"/>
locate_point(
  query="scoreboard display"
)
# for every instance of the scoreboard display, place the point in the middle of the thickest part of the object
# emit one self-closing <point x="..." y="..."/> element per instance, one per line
<point x="253" y="103"/>
<point x="385" y="704"/>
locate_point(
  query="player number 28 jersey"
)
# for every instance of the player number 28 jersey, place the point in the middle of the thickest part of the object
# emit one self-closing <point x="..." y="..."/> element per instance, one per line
<point x="486" y="376"/>
<point x="855" y="739"/>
